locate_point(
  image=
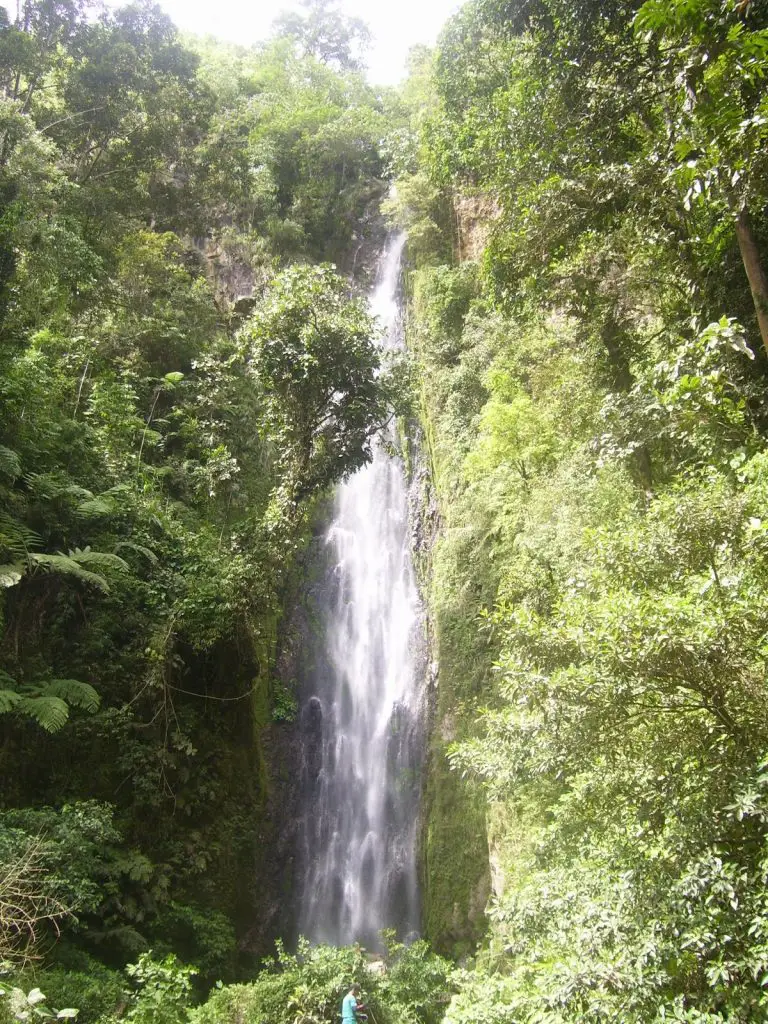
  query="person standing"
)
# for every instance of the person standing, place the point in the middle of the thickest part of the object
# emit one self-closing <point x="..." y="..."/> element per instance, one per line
<point x="351" y="1007"/>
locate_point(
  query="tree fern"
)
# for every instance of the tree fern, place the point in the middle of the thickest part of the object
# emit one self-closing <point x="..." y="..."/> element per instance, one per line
<point x="9" y="701"/>
<point x="79" y="695"/>
<point x="71" y="564"/>
<point x="16" y="538"/>
<point x="96" y="507"/>
<point x="84" y="556"/>
<point x="56" y="485"/>
<point x="48" y="711"/>
<point x="69" y="567"/>
<point x="10" y="464"/>
<point x="47" y="702"/>
<point x="146" y="552"/>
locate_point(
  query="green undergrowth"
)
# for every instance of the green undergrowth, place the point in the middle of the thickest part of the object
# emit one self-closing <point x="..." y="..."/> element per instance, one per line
<point x="406" y="985"/>
<point x="593" y="405"/>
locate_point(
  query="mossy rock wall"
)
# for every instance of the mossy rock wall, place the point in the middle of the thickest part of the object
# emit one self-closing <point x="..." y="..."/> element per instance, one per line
<point x="455" y="871"/>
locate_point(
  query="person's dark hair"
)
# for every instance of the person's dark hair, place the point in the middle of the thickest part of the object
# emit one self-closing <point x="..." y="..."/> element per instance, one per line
<point x="355" y="988"/>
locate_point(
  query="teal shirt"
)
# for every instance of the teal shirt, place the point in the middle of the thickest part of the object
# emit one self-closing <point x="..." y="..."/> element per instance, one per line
<point x="349" y="1009"/>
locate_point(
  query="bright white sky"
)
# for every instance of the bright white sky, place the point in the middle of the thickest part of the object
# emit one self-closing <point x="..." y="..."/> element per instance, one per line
<point x="396" y="25"/>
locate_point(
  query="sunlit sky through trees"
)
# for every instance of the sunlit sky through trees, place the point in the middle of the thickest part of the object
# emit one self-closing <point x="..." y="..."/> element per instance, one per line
<point x="396" y="25"/>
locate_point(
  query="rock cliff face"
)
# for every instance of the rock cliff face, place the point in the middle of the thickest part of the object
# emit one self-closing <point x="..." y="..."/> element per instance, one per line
<point x="285" y="752"/>
<point x="301" y="663"/>
<point x="454" y="846"/>
<point x="474" y="216"/>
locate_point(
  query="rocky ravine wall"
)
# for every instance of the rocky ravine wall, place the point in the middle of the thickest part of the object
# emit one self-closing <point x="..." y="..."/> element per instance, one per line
<point x="455" y="863"/>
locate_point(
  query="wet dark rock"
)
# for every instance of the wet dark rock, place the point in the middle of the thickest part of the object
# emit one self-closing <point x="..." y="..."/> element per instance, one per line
<point x="244" y="305"/>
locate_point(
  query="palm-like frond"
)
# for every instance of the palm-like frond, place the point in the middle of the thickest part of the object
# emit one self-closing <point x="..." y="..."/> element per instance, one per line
<point x="56" y="485"/>
<point x="16" y="537"/>
<point x="84" y="556"/>
<point x="148" y="553"/>
<point x="10" y="463"/>
<point x="71" y="564"/>
<point x="47" y="702"/>
<point x="69" y="567"/>
<point x="9" y="700"/>
<point x="48" y="711"/>
<point x="95" y="508"/>
<point x="79" y="695"/>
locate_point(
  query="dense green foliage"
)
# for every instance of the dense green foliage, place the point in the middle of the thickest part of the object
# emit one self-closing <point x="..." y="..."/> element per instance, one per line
<point x="410" y="986"/>
<point x="183" y="374"/>
<point x="162" y="209"/>
<point x="585" y="184"/>
<point x="317" y="363"/>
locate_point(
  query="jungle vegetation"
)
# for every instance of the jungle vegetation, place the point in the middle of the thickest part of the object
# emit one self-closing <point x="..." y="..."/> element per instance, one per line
<point x="585" y="187"/>
<point x="584" y="184"/>
<point x="170" y="413"/>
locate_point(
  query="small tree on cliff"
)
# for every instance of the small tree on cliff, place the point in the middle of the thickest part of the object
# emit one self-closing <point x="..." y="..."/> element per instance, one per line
<point x="318" y="366"/>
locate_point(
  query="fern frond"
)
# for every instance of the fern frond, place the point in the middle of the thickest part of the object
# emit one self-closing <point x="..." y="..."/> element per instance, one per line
<point x="85" y="556"/>
<point x="9" y="700"/>
<point x="56" y="485"/>
<point x="10" y="463"/>
<point x="68" y="566"/>
<point x="46" y="485"/>
<point x="11" y="574"/>
<point x="48" y="702"/>
<point x="95" y="508"/>
<point x="48" y="711"/>
<point x="12" y="543"/>
<point x="79" y="695"/>
<point x="16" y="537"/>
<point x="76" y="491"/>
<point x="148" y="553"/>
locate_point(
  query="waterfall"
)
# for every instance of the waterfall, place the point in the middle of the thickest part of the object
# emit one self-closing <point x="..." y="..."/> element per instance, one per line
<point x="362" y="769"/>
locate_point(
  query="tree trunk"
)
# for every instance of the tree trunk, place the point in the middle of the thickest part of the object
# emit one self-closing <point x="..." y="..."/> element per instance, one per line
<point x="758" y="282"/>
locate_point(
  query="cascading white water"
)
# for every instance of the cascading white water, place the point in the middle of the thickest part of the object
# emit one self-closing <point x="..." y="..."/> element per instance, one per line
<point x="363" y="784"/>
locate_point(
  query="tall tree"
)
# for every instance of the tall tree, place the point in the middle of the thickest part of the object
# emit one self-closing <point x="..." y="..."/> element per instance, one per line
<point x="325" y="33"/>
<point x="317" y="362"/>
<point x="716" y="53"/>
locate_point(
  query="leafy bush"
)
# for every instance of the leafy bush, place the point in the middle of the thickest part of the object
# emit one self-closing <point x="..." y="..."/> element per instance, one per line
<point x="310" y="986"/>
<point x="415" y="987"/>
<point x="284" y="703"/>
<point x="163" y="990"/>
<point x="99" y="992"/>
<point x="18" y="1005"/>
